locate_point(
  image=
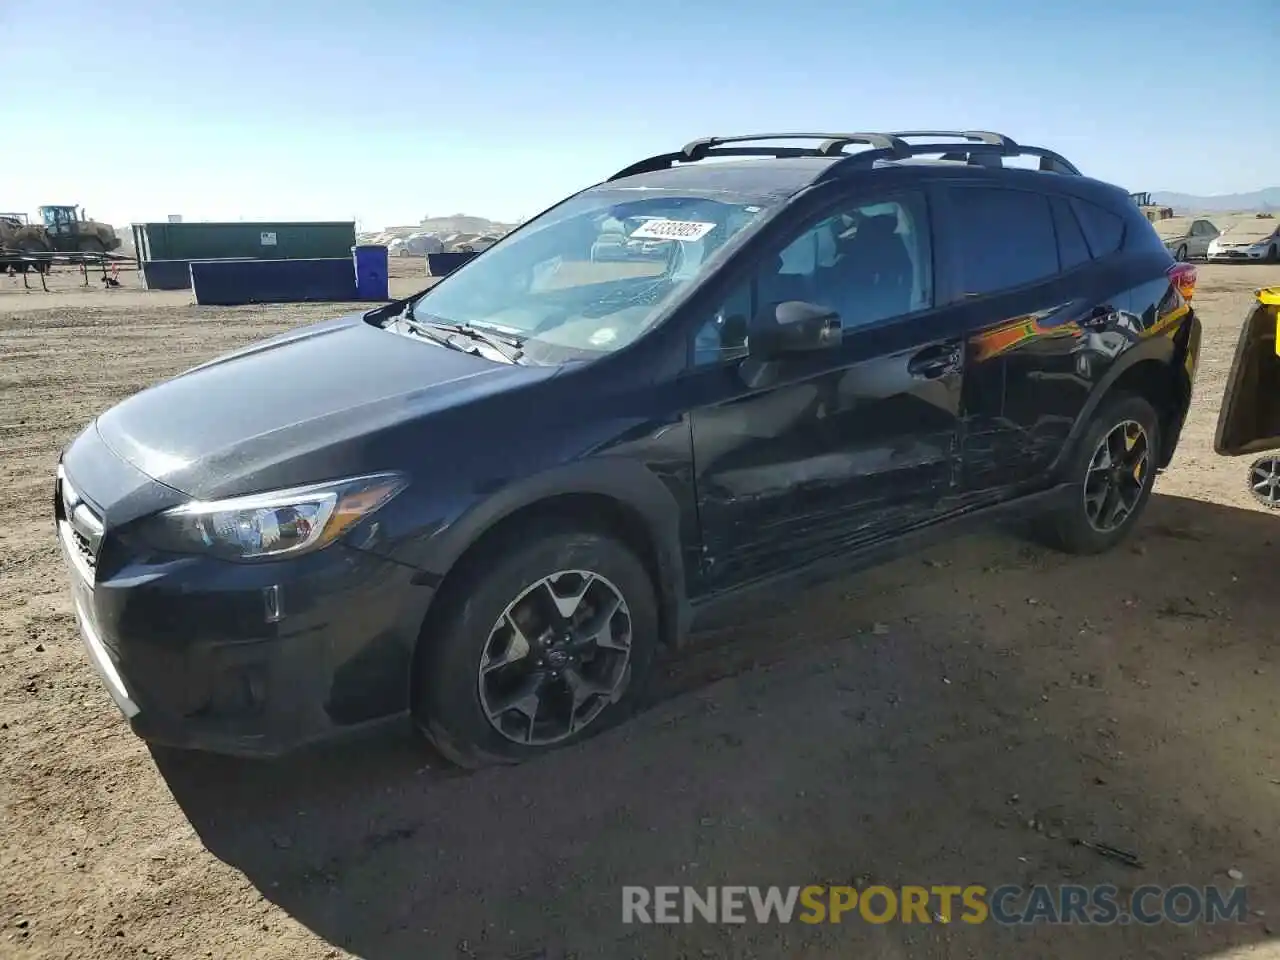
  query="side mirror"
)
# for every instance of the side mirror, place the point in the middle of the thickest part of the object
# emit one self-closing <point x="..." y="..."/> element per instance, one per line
<point x="794" y="326"/>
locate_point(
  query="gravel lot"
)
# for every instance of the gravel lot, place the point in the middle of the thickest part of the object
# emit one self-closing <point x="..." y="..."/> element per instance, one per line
<point x="953" y="717"/>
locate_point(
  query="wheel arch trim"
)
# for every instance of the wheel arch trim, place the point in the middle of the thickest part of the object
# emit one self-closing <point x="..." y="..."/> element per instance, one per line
<point x="1158" y="351"/>
<point x="628" y="484"/>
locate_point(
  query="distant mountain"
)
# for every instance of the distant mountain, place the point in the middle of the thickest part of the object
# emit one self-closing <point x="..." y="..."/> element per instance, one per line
<point x="1258" y="200"/>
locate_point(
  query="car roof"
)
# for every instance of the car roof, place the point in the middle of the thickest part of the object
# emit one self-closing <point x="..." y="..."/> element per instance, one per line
<point x="776" y="179"/>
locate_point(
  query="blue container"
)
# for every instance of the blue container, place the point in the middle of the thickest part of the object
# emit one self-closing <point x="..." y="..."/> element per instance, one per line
<point x="370" y="260"/>
<point x="443" y="264"/>
<point x="168" y="274"/>
<point x="232" y="282"/>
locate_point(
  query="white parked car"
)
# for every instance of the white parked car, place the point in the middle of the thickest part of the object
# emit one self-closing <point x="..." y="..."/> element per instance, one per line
<point x="1256" y="239"/>
<point x="1187" y="238"/>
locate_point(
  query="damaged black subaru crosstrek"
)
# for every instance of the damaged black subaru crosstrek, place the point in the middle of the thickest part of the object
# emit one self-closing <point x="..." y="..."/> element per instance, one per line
<point x="485" y="507"/>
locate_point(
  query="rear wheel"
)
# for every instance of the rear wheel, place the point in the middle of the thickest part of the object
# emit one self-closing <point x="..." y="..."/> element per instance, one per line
<point x="1112" y="470"/>
<point x="541" y="645"/>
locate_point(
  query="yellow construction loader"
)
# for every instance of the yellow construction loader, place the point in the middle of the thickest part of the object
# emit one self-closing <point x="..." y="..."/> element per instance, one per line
<point x="62" y="229"/>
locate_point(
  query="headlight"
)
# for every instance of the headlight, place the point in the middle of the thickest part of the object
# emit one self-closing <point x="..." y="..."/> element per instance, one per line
<point x="274" y="524"/>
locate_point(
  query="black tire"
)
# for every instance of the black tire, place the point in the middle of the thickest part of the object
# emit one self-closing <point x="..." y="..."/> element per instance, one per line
<point x="448" y="708"/>
<point x="92" y="245"/>
<point x="1070" y="528"/>
<point x="1182" y="254"/>
<point x="1273" y="255"/>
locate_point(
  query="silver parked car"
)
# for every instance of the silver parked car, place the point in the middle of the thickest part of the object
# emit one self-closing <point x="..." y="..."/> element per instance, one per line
<point x="1257" y="238"/>
<point x="1187" y="238"/>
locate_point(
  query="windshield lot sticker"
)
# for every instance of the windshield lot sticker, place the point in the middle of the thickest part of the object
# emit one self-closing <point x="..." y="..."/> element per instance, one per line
<point x="686" y="230"/>
<point x="601" y="337"/>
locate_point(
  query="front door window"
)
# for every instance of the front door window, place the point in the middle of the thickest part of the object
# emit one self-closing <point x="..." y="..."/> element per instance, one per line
<point x="869" y="262"/>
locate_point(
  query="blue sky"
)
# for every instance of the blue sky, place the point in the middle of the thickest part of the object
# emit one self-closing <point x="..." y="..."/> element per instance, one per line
<point x="389" y="110"/>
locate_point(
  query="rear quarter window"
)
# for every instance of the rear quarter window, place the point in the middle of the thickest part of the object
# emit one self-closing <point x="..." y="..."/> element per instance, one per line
<point x="1006" y="236"/>
<point x="1103" y="230"/>
<point x="1071" y="243"/>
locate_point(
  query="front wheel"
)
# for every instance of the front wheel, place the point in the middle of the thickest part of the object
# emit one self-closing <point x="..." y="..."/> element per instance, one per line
<point x="1112" y="472"/>
<point x="539" y="645"/>
<point x="1182" y="254"/>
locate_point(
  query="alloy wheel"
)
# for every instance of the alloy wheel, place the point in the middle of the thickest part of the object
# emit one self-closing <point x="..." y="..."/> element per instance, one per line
<point x="1264" y="481"/>
<point x="556" y="657"/>
<point x="1116" y="477"/>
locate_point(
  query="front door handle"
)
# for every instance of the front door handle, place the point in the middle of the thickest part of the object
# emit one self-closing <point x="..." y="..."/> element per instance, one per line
<point x="935" y="361"/>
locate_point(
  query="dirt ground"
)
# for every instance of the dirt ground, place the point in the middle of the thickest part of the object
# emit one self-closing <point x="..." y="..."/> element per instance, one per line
<point x="953" y="717"/>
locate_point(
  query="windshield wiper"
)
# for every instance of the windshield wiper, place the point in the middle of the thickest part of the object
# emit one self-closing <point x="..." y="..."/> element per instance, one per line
<point x="508" y="349"/>
<point x="422" y="330"/>
<point x="508" y="346"/>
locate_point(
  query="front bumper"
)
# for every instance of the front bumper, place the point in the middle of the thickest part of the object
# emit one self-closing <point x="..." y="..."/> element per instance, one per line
<point x="1239" y="255"/>
<point x="251" y="659"/>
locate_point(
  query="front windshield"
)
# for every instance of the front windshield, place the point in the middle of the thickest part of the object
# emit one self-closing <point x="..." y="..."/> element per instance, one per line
<point x="590" y="275"/>
<point x="1172" y="227"/>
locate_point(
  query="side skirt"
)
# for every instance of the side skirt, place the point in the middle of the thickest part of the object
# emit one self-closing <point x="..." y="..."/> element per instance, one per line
<point x="717" y="609"/>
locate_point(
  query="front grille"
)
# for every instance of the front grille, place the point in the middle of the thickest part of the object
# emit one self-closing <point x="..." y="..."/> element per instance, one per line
<point x="84" y="549"/>
<point x="80" y="528"/>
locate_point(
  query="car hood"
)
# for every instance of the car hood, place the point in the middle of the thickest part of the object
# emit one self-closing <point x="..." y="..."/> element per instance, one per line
<point x="1244" y="240"/>
<point x="294" y="403"/>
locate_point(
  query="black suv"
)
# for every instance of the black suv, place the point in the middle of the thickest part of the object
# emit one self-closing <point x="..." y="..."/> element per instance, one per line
<point x="486" y="506"/>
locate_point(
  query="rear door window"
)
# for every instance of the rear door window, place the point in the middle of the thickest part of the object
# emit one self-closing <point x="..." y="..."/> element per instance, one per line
<point x="1071" y="243"/>
<point x="1006" y="238"/>
<point x="1103" y="229"/>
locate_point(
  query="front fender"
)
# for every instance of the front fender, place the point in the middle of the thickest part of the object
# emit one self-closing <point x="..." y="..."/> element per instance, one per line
<point x="628" y="483"/>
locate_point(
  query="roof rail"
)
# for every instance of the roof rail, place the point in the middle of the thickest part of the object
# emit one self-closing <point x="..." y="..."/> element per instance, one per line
<point x="831" y="145"/>
<point x="979" y="152"/>
<point x="981" y="147"/>
<point x="974" y="136"/>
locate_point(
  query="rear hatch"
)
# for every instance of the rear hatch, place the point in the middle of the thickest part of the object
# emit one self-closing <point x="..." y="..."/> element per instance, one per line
<point x="1249" y="420"/>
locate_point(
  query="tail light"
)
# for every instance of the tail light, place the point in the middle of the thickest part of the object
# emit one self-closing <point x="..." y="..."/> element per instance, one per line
<point x="1183" y="277"/>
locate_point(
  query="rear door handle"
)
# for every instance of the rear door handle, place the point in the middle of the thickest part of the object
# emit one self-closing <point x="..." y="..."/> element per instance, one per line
<point x="935" y="361"/>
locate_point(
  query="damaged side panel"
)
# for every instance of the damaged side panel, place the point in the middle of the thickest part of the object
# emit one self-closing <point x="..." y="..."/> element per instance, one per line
<point x="822" y="462"/>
